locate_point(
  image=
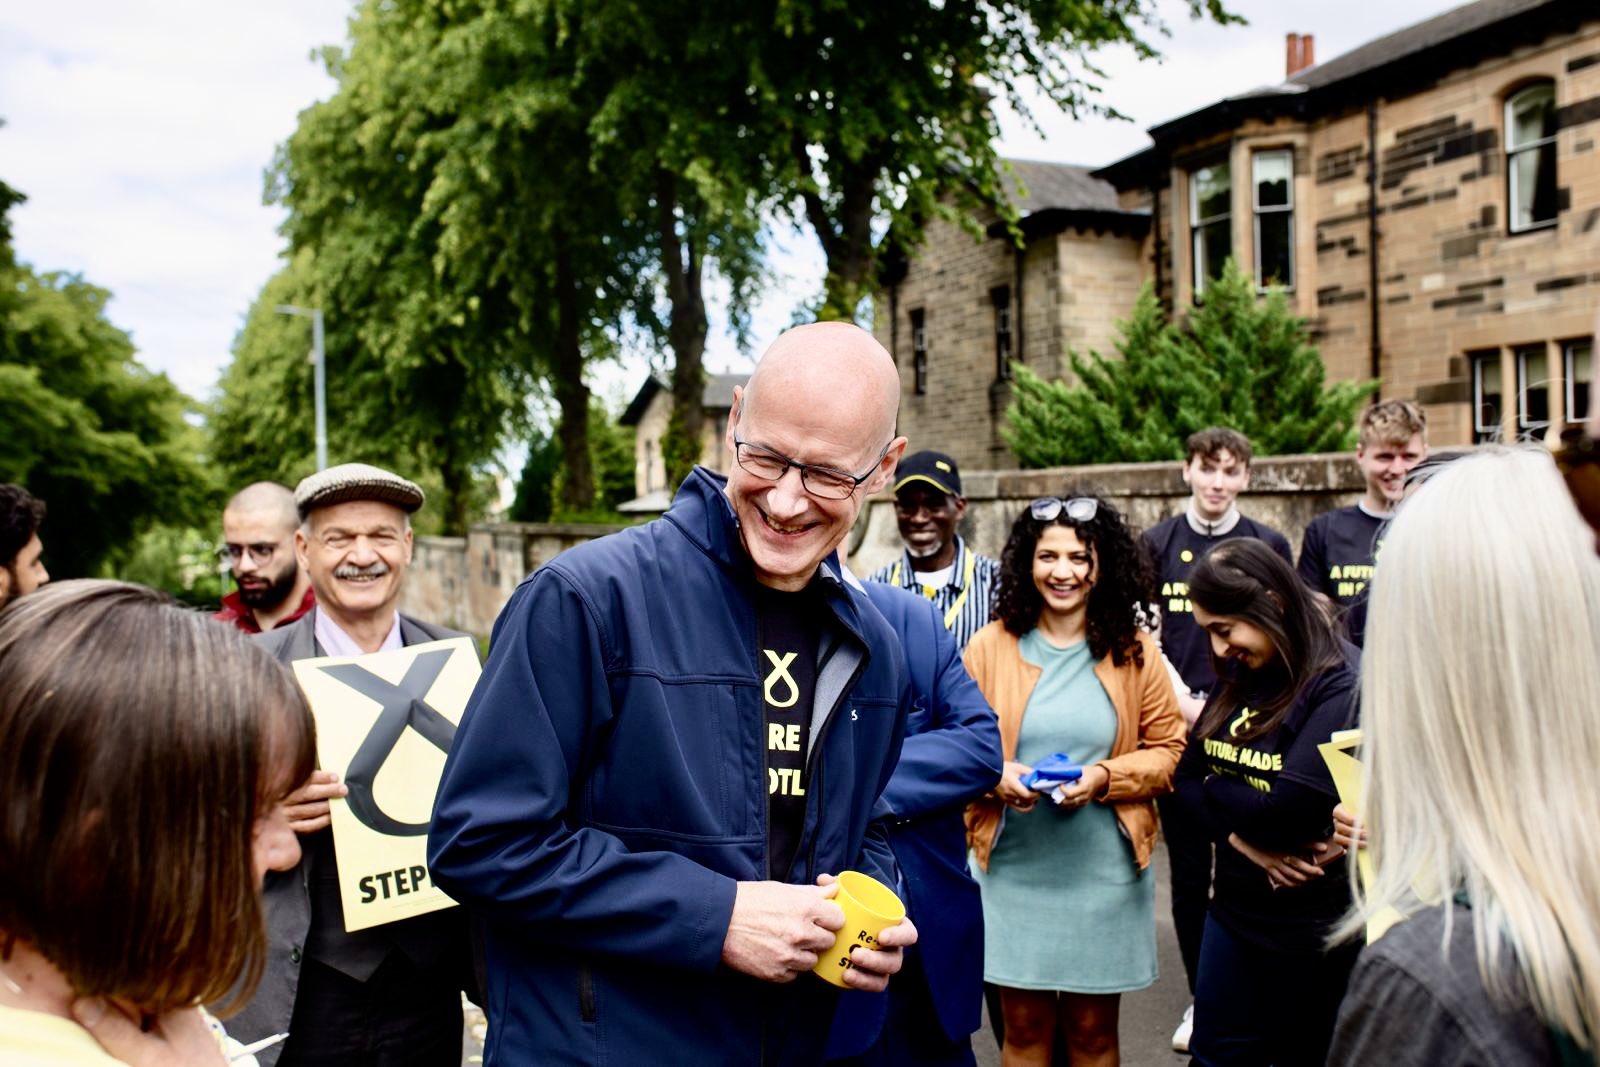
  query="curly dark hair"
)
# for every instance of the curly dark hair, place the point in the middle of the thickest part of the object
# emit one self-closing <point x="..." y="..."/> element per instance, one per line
<point x="1122" y="579"/>
<point x="21" y="514"/>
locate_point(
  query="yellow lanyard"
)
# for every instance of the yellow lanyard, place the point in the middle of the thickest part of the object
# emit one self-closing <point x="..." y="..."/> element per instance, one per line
<point x="930" y="592"/>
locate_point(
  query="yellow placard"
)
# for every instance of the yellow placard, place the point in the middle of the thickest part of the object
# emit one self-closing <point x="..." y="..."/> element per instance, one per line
<point x="1347" y="774"/>
<point x="384" y="724"/>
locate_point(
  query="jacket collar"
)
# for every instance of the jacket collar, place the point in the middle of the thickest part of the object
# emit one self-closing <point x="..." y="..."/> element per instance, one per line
<point x="705" y="515"/>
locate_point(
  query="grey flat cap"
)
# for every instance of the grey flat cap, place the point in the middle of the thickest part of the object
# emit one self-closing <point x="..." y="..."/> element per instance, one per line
<point x="355" y="481"/>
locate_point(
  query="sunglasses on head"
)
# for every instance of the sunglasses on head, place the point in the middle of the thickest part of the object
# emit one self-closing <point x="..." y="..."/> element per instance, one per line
<point x="1078" y="509"/>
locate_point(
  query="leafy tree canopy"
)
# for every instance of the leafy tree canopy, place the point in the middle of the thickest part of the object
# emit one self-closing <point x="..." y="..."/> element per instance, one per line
<point x="873" y="118"/>
<point x="1245" y="362"/>
<point x="104" y="441"/>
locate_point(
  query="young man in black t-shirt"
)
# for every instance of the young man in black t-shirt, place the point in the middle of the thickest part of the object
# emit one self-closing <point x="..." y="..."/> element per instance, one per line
<point x="1341" y="546"/>
<point x="1217" y="470"/>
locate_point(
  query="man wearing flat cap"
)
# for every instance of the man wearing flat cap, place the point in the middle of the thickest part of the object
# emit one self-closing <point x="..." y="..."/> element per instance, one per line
<point x="936" y="563"/>
<point x="389" y="994"/>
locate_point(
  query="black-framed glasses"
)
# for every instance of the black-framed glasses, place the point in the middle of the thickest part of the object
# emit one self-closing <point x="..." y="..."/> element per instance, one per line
<point x="825" y="482"/>
<point x="1078" y="509"/>
<point x="260" y="553"/>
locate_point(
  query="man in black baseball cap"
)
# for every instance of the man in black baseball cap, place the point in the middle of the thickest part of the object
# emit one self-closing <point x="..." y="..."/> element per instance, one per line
<point x="928" y="506"/>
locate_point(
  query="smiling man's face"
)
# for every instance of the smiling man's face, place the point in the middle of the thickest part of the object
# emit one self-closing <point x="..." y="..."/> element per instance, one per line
<point x="356" y="553"/>
<point x="823" y="395"/>
<point x="786" y="530"/>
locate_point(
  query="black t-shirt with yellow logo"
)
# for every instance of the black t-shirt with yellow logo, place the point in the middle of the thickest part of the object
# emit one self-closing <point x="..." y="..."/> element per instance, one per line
<point x="1337" y="558"/>
<point x="787" y="628"/>
<point x="1173" y="547"/>
<point x="1275" y="792"/>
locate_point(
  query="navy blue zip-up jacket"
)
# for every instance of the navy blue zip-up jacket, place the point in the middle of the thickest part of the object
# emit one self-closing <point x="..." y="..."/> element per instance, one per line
<point x="951" y="757"/>
<point x="607" y="788"/>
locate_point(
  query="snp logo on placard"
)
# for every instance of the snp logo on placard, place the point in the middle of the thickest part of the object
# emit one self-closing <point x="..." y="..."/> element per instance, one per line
<point x="384" y="724"/>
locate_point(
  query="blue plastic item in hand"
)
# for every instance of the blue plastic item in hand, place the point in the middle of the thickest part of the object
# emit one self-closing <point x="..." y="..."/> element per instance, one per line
<point x="1055" y="769"/>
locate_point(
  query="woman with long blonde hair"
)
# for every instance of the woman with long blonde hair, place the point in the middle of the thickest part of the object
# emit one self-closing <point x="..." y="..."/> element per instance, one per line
<point x="1481" y="719"/>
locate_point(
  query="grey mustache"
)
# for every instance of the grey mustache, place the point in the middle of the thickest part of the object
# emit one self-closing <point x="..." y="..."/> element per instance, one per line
<point x="371" y="570"/>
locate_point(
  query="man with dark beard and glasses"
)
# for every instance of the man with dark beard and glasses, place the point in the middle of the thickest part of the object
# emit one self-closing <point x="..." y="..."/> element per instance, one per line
<point x="258" y="545"/>
<point x="388" y="994"/>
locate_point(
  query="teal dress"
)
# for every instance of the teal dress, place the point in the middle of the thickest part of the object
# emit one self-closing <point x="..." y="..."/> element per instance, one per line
<point x="1064" y="905"/>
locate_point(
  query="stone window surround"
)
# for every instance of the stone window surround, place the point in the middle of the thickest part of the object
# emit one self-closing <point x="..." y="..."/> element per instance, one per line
<point x="1524" y="88"/>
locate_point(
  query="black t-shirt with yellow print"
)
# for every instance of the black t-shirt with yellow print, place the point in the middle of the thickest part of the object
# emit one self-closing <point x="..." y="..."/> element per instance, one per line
<point x="787" y="629"/>
<point x="1337" y="558"/>
<point x="1275" y="792"/>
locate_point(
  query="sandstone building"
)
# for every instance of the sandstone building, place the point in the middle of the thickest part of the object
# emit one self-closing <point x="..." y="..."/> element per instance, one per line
<point x="1431" y="199"/>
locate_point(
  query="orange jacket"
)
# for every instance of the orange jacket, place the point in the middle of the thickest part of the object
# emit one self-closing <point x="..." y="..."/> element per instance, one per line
<point x="1150" y="734"/>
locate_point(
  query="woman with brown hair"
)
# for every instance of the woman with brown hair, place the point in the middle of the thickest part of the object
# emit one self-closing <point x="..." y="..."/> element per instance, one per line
<point x="1068" y="897"/>
<point x="145" y="751"/>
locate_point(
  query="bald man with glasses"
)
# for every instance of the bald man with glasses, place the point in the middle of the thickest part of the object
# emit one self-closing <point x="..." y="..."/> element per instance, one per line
<point x="683" y="732"/>
<point x="272" y="589"/>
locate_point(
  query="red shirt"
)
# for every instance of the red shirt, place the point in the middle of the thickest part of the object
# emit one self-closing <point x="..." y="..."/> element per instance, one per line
<point x="235" y="613"/>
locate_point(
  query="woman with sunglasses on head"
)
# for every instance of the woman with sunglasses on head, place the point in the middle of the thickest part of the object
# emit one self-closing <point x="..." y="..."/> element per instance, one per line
<point x="147" y="750"/>
<point x="1068" y="895"/>
<point x="1267" y="991"/>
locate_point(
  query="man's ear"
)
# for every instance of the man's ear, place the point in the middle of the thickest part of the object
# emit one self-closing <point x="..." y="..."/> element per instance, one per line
<point x="733" y="416"/>
<point x="886" y="466"/>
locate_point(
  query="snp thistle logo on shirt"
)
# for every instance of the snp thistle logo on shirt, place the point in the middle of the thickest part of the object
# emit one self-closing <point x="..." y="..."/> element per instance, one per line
<point x="785" y="761"/>
<point x="1235" y="759"/>
<point x="780" y="674"/>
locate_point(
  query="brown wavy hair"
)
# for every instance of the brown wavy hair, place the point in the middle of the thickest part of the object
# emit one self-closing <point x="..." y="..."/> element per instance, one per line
<point x="1122" y="579"/>
<point x="141" y="742"/>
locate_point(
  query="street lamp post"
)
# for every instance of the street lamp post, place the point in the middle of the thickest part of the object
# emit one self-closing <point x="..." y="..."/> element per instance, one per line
<point x="318" y="377"/>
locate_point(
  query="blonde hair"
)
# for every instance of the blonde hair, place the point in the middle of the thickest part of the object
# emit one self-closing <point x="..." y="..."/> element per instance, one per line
<point x="1393" y="422"/>
<point x="1480" y="684"/>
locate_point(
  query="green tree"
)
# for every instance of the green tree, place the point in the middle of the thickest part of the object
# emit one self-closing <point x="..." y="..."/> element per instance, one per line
<point x="463" y="243"/>
<point x="873" y="118"/>
<point x="104" y="441"/>
<point x="611" y="458"/>
<point x="1245" y="362"/>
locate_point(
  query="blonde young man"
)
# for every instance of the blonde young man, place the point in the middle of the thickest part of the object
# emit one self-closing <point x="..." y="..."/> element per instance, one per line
<point x="1341" y="546"/>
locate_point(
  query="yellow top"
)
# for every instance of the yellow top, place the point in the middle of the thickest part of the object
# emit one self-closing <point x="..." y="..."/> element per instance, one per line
<point x="34" y="1039"/>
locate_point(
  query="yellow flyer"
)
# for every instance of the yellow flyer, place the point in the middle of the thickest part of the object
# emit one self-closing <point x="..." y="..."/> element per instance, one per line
<point x="384" y="724"/>
<point x="1346" y="771"/>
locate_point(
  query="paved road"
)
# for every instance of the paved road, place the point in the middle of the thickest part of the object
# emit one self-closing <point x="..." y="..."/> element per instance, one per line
<point x="1148" y="1016"/>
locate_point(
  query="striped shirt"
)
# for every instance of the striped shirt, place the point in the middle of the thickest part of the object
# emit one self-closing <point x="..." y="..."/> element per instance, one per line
<point x="965" y="603"/>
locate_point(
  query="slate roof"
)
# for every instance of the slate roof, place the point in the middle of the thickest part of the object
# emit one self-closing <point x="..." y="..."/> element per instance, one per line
<point x="1059" y="185"/>
<point x="717" y="395"/>
<point x="1421" y="37"/>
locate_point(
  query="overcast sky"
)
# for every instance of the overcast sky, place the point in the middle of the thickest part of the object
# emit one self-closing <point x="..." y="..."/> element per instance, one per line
<point x="139" y="133"/>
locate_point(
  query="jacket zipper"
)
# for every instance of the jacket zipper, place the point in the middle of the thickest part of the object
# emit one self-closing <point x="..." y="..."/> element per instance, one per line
<point x="816" y="783"/>
<point x="586" y="1005"/>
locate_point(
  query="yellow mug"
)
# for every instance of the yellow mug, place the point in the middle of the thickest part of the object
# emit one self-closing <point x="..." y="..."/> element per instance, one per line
<point x="868" y="907"/>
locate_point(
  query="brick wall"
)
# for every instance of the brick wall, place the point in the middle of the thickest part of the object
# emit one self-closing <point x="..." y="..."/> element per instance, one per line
<point x="1075" y="286"/>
